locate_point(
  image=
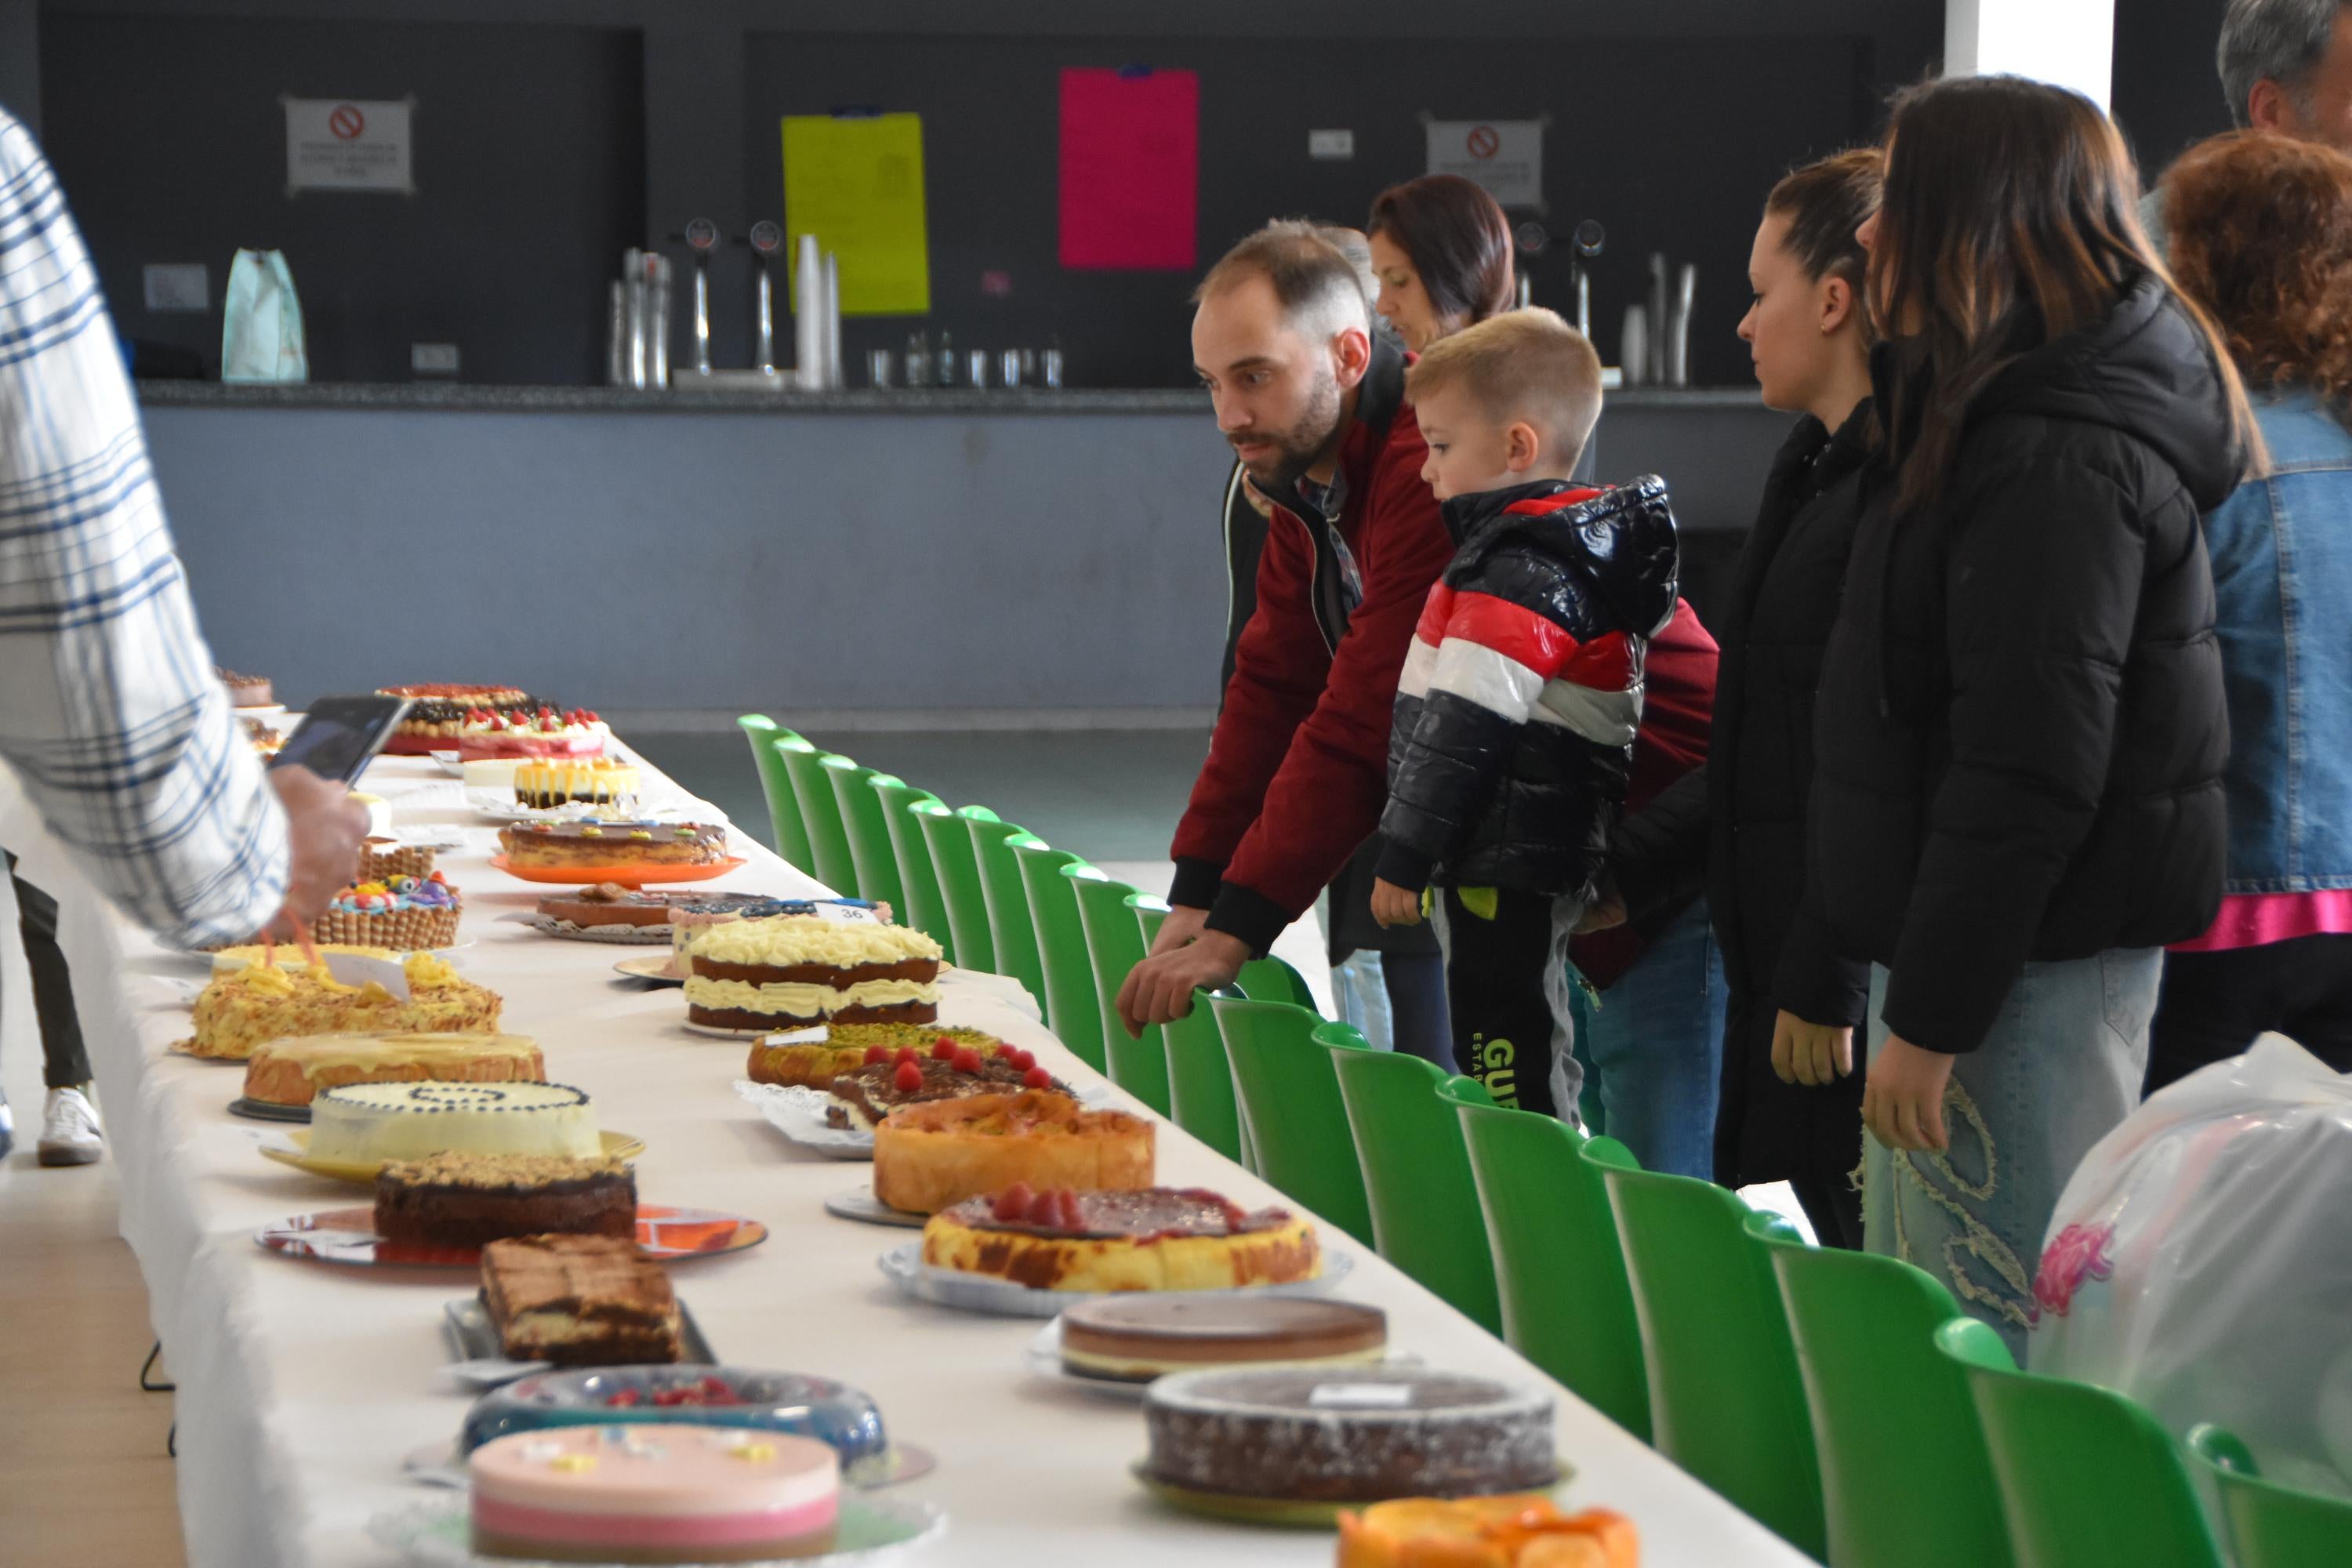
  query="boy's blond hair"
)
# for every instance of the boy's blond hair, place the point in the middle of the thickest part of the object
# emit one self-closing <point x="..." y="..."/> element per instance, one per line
<point x="1525" y="364"/>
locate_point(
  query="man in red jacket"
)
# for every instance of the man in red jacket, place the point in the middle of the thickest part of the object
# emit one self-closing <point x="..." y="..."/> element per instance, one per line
<point x="1297" y="773"/>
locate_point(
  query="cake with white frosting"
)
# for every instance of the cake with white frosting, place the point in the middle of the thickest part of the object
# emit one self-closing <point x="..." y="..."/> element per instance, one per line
<point x="797" y="970"/>
<point x="366" y="1123"/>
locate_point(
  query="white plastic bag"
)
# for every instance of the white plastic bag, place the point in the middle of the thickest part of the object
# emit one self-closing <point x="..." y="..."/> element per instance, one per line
<point x="261" y="321"/>
<point x="2201" y="1261"/>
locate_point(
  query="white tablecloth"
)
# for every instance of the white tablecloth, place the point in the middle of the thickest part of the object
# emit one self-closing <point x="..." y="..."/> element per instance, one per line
<point x="301" y="1385"/>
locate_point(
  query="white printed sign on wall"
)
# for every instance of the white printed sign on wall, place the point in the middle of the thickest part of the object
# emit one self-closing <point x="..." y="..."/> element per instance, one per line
<point x="1505" y="156"/>
<point x="349" y="144"/>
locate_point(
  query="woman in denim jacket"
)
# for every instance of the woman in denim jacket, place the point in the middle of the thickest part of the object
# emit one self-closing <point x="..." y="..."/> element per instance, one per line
<point x="2261" y="236"/>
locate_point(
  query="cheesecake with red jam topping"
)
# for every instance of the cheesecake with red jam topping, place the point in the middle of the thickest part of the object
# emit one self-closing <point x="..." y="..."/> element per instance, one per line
<point x="1152" y="1238"/>
<point x="888" y="1079"/>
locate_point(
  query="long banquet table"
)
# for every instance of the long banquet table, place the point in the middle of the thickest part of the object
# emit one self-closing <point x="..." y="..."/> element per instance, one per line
<point x="303" y="1385"/>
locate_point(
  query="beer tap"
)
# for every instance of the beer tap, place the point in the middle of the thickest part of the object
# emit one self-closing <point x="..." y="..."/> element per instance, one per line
<point x="767" y="242"/>
<point x="701" y="236"/>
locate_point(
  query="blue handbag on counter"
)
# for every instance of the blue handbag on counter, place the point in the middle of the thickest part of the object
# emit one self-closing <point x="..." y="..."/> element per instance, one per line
<point x="261" y="321"/>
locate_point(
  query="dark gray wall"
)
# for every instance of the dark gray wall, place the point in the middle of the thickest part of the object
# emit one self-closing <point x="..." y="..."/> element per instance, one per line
<point x="2167" y="92"/>
<point x="529" y="160"/>
<point x="20" y="61"/>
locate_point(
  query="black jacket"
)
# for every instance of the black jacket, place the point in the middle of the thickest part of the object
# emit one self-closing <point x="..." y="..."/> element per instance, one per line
<point x="2019" y="733"/>
<point x="1521" y="694"/>
<point x="1737" y="826"/>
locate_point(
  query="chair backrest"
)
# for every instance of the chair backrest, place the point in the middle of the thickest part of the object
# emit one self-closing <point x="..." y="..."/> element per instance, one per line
<point x="949" y="839"/>
<point x="1115" y="946"/>
<point x="2270" y="1525"/>
<point x="1416" y="1171"/>
<point x="1565" y="1304"/>
<point x="1072" y="1010"/>
<point x="1290" y="1095"/>
<point x="784" y="806"/>
<point x="831" y="862"/>
<point x="926" y="908"/>
<point x="870" y="849"/>
<point x="2086" y="1475"/>
<point x="1200" y="1080"/>
<point x="1725" y="1401"/>
<point x="1010" y="929"/>
<point x="1905" y="1475"/>
<point x="1272" y="979"/>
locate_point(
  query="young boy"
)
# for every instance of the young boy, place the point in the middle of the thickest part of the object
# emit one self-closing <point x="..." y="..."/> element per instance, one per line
<point x="1515" y="714"/>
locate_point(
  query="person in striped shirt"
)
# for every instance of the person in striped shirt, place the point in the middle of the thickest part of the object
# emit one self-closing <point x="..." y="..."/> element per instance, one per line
<point x="1521" y="692"/>
<point x="110" y="713"/>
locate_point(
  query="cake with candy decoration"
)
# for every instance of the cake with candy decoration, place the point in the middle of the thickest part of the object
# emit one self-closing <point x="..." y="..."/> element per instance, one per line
<point x="408" y="914"/>
<point x="488" y="733"/>
<point x="797" y="970"/>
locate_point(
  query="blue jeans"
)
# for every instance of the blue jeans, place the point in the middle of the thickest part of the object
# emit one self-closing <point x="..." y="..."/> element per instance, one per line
<point x="2061" y="1067"/>
<point x="1651" y="1049"/>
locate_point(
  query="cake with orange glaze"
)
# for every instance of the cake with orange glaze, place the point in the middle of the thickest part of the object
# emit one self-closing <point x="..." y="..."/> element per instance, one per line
<point x="1520" y="1531"/>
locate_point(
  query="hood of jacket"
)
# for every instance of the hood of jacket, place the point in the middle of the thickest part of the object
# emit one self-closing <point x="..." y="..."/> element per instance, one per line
<point x="1619" y="540"/>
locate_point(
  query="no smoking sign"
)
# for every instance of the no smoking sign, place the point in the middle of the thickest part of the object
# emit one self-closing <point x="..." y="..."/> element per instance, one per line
<point x="347" y="122"/>
<point x="1505" y="157"/>
<point x="1484" y="142"/>
<point x="349" y="144"/>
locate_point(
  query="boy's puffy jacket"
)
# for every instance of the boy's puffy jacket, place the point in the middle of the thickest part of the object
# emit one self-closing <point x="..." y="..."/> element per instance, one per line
<point x="1518" y="706"/>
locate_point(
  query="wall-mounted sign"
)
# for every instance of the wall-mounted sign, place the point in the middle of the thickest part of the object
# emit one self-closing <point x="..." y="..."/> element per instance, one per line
<point x="1505" y="156"/>
<point x="349" y="144"/>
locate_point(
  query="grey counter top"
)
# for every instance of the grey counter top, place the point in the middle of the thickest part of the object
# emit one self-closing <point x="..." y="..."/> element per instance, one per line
<point x="427" y="395"/>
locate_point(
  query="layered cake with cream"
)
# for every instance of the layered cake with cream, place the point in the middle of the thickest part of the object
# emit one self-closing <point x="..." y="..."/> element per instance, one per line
<point x="790" y="1060"/>
<point x="1521" y="1531"/>
<point x="436" y="713"/>
<point x="487" y="732"/>
<point x="543" y="783"/>
<point x="798" y="969"/>
<point x="367" y="1123"/>
<point x="243" y="1007"/>
<point x="407" y="914"/>
<point x="691" y="917"/>
<point x="1154" y="1238"/>
<point x="1134" y="1339"/>
<point x="1348" y="1435"/>
<point x="654" y="1494"/>
<point x="293" y="1071"/>
<point x="579" y="1301"/>
<point x="614" y="845"/>
<point x="931" y="1157"/>
<point x="468" y="1200"/>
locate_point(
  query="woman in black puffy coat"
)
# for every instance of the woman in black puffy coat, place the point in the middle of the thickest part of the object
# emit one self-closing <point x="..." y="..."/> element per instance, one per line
<point x="1738" y="826"/>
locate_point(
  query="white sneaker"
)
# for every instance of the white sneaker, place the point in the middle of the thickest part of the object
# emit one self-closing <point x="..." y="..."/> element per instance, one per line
<point x="70" y="1133"/>
<point x="7" y="1129"/>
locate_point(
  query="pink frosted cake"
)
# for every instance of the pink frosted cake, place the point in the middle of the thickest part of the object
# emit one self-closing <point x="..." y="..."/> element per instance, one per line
<point x="487" y="735"/>
<point x="669" y="1493"/>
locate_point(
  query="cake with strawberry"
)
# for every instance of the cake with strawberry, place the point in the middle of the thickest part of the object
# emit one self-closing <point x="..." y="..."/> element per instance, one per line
<point x="931" y="1157"/>
<point x="1152" y="1238"/>
<point x="799" y="1058"/>
<point x="887" y="1080"/>
<point x="435" y="714"/>
<point x="407" y="914"/>
<point x="488" y="734"/>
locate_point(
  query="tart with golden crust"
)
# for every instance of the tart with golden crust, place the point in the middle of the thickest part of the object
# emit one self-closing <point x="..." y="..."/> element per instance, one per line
<point x="930" y="1157"/>
<point x="814" y="1064"/>
<point x="1154" y="1238"/>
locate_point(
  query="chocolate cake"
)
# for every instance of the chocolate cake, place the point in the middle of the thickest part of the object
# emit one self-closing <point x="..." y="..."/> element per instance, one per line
<point x="468" y="1200"/>
<point x="1347" y="1435"/>
<point x="579" y="1301"/>
<point x="611" y="904"/>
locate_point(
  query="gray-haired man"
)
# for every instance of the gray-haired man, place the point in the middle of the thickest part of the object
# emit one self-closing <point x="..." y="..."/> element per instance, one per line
<point x="2285" y="66"/>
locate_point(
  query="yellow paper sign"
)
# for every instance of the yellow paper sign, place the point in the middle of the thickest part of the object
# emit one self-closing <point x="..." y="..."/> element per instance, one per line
<point x="856" y="184"/>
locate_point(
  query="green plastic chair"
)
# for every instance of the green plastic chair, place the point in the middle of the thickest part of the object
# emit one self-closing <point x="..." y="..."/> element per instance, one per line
<point x="1289" y="1095"/>
<point x="1072" y="1010"/>
<point x="1272" y="979"/>
<point x="1115" y="946"/>
<point x="870" y="850"/>
<point x="1565" y="1304"/>
<point x="1905" y="1479"/>
<point x="2270" y="1525"/>
<point x="1416" y="1171"/>
<point x="926" y="908"/>
<point x="1010" y="929"/>
<point x="830" y="860"/>
<point x="949" y="839"/>
<point x="1725" y="1400"/>
<point x="784" y="806"/>
<point x="2086" y="1476"/>
<point x="1200" y="1080"/>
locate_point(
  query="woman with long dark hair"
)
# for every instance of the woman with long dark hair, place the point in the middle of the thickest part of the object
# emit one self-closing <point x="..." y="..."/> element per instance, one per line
<point x="1650" y="1012"/>
<point x="1737" y="825"/>
<point x="2020" y="735"/>
<point x="2261" y="236"/>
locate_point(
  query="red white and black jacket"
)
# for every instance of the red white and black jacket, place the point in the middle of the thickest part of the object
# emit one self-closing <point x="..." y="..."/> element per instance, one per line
<point x="1294" y="778"/>
<point x="1522" y="691"/>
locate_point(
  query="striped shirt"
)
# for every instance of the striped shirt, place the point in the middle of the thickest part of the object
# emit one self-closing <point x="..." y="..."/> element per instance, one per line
<point x="110" y="710"/>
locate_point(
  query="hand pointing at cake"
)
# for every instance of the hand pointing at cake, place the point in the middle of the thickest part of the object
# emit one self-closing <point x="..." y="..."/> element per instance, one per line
<point x="323" y="830"/>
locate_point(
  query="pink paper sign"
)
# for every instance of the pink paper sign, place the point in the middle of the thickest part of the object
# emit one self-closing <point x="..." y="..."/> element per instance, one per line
<point x="1130" y="168"/>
